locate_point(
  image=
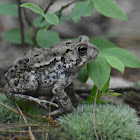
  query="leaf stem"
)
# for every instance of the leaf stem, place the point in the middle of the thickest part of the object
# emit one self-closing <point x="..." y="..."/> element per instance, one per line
<point x="21" y="23"/>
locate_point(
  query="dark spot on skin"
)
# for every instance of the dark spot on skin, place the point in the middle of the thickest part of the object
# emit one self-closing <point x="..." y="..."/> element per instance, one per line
<point x="68" y="43"/>
<point x="62" y="59"/>
<point x="16" y="82"/>
<point x="61" y="73"/>
<point x="53" y="77"/>
<point x="35" y="55"/>
<point x="12" y="70"/>
<point x="65" y="98"/>
<point x="67" y="50"/>
<point x="27" y="60"/>
<point x="79" y="39"/>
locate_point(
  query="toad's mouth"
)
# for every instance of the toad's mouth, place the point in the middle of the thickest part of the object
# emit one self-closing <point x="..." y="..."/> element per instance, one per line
<point x="90" y="59"/>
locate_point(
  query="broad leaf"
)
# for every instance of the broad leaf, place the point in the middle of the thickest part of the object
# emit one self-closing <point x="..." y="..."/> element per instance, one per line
<point x="38" y="23"/>
<point x="109" y="8"/>
<point x="14" y="36"/>
<point x="102" y="44"/>
<point x="107" y="48"/>
<point x="64" y="18"/>
<point x="82" y="9"/>
<point x="115" y="63"/>
<point x="51" y="18"/>
<point x="112" y="94"/>
<point x="47" y="38"/>
<point x="83" y="74"/>
<point x="99" y="71"/>
<point x="127" y="58"/>
<point x="92" y="95"/>
<point x="33" y="7"/>
<point x="10" y="9"/>
<point x="104" y="89"/>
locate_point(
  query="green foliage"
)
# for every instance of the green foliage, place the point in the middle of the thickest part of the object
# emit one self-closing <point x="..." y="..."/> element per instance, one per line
<point x="99" y="71"/>
<point x="115" y="63"/>
<point x="33" y="7"/>
<point x="64" y="18"/>
<point x="13" y="36"/>
<point x="6" y="114"/>
<point x="38" y="23"/>
<point x="10" y="9"/>
<point x="109" y="54"/>
<point x="112" y="123"/>
<point x="109" y="8"/>
<point x="83" y="74"/>
<point x="111" y="92"/>
<point x="51" y="18"/>
<point x="82" y="9"/>
<point x="47" y="38"/>
<point x="33" y="112"/>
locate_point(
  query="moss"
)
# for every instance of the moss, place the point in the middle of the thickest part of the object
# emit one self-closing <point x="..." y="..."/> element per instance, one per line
<point x="29" y="109"/>
<point x="112" y="123"/>
<point x="6" y="115"/>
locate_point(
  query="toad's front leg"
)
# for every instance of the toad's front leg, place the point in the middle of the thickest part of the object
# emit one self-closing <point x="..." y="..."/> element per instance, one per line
<point x="61" y="97"/>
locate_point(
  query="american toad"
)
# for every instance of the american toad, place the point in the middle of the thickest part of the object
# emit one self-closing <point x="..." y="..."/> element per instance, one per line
<point x="48" y="71"/>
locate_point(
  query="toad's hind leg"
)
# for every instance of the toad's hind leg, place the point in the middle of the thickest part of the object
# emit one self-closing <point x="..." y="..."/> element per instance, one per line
<point x="24" y="87"/>
<point x="25" y="83"/>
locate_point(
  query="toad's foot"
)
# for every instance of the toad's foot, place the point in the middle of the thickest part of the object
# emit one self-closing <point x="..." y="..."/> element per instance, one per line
<point x="25" y="98"/>
<point x="56" y="112"/>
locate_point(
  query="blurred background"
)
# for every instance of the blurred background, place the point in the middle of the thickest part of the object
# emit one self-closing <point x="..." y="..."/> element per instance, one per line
<point x="124" y="34"/>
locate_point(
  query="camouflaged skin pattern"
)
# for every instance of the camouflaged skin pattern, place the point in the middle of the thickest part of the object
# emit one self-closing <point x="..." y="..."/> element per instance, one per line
<point x="48" y="71"/>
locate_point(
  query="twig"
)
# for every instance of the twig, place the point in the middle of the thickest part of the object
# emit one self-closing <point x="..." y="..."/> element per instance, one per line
<point x="120" y="89"/>
<point x="59" y="12"/>
<point x="94" y="107"/>
<point x="45" y="11"/>
<point x="132" y="101"/>
<point x="64" y="7"/>
<point x="124" y="89"/>
<point x="23" y="131"/>
<point x="29" y="127"/>
<point x="9" y="108"/>
<point x="21" y="23"/>
<point x="49" y="5"/>
<point x="135" y="94"/>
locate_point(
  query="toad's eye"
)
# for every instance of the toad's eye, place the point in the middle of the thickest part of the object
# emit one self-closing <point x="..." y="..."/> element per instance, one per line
<point x="82" y="50"/>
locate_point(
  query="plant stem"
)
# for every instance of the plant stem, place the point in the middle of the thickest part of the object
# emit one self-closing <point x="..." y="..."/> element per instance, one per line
<point x="21" y="23"/>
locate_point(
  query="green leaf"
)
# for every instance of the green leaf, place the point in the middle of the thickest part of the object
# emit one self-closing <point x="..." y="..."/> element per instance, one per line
<point x="115" y="63"/>
<point x="83" y="74"/>
<point x="82" y="9"/>
<point x="127" y="58"/>
<point x="107" y="49"/>
<point x="109" y="8"/>
<point x="102" y="44"/>
<point x="99" y="71"/>
<point x="38" y="23"/>
<point x="47" y="38"/>
<point x="10" y="9"/>
<point x="51" y="18"/>
<point x="33" y="7"/>
<point x="14" y="36"/>
<point x="92" y="95"/>
<point x="112" y="94"/>
<point x="104" y="89"/>
<point x="64" y="18"/>
<point x="115" y="94"/>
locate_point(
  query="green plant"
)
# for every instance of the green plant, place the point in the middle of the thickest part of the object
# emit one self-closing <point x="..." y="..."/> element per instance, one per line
<point x="112" y="123"/>
<point x="109" y="54"/>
